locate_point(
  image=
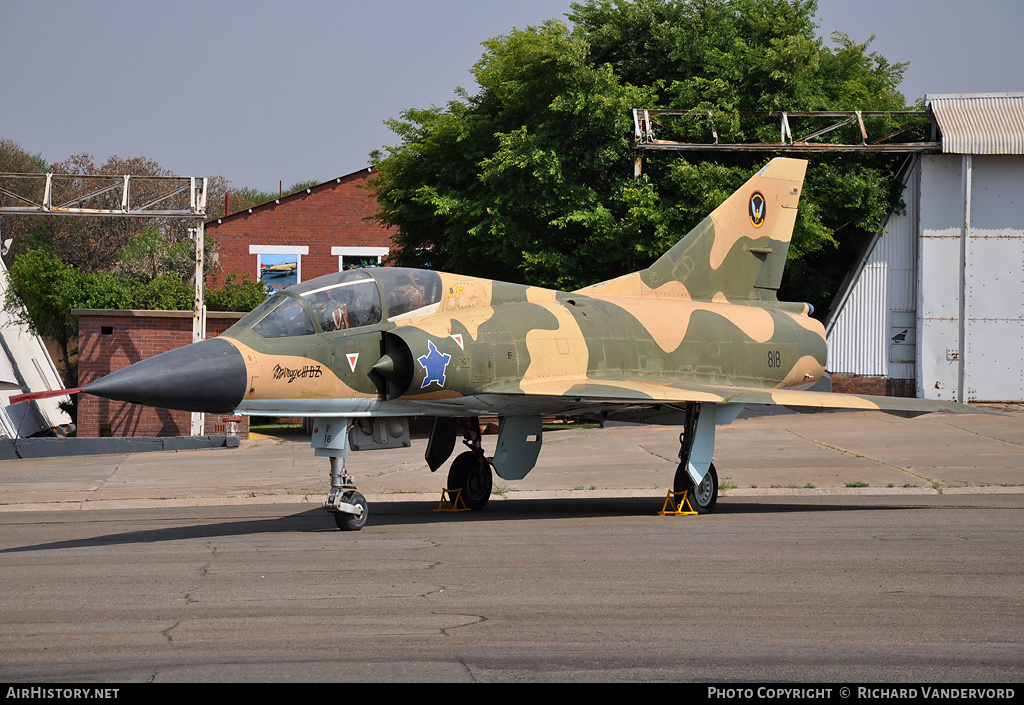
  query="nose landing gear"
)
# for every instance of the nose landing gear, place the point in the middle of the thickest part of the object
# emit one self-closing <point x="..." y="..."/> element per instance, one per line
<point x="349" y="507"/>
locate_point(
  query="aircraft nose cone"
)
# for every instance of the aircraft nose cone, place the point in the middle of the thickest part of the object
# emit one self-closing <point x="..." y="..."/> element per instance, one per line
<point x="207" y="376"/>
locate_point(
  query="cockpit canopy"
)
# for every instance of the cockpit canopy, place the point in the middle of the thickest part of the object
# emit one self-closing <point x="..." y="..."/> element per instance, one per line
<point x="350" y="299"/>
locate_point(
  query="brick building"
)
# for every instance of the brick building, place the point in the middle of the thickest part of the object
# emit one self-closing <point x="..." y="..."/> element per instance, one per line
<point x="291" y="239"/>
<point x="307" y="234"/>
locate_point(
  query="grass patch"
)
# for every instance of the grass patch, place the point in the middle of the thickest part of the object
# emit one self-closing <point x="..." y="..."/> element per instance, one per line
<point x="726" y="483"/>
<point x="500" y="490"/>
<point x="810" y="486"/>
<point x="857" y="483"/>
<point x="277" y="429"/>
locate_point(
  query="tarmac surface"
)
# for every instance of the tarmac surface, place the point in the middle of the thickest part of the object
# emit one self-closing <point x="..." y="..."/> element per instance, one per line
<point x="867" y="453"/>
<point x="846" y="548"/>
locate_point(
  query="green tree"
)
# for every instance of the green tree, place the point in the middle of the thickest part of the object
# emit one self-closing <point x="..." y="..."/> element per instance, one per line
<point x="236" y="294"/>
<point x="41" y="293"/>
<point x="530" y="178"/>
<point x="149" y="255"/>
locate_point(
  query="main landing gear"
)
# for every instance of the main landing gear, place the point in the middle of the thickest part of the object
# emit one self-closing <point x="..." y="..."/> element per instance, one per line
<point x="694" y="450"/>
<point x="471" y="470"/>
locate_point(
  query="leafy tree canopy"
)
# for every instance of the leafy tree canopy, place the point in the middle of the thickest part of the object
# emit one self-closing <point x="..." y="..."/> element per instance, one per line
<point x="530" y="178"/>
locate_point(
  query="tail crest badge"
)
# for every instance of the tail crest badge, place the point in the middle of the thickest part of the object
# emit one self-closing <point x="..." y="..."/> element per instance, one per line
<point x="756" y="209"/>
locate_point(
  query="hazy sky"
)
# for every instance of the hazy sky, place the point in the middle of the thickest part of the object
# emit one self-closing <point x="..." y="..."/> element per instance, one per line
<point x="261" y="92"/>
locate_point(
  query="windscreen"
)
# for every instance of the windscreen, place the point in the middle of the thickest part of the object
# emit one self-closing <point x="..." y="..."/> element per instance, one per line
<point x="288" y="318"/>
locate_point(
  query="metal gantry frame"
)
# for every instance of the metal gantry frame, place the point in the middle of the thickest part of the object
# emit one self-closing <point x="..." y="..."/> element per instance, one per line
<point x="644" y="121"/>
<point x="169" y="202"/>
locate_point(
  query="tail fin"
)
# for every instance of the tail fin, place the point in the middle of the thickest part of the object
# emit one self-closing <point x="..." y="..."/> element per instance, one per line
<point x="738" y="251"/>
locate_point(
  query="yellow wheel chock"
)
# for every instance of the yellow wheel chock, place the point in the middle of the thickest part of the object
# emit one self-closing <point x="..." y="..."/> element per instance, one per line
<point x="452" y="503"/>
<point x="677" y="509"/>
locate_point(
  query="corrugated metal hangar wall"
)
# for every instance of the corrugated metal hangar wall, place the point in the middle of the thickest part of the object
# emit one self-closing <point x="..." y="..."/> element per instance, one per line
<point x="939" y="298"/>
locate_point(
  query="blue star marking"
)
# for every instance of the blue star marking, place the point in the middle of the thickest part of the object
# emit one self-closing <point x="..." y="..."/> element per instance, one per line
<point x="434" y="363"/>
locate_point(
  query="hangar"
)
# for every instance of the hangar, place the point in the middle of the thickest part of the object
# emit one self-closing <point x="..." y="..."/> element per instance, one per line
<point x="935" y="308"/>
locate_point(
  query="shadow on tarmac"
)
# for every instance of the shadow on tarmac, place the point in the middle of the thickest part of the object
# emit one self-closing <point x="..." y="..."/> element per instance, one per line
<point x="384" y="514"/>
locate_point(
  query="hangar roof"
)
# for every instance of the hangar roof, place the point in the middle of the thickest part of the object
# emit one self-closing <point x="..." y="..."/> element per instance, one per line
<point x="980" y="123"/>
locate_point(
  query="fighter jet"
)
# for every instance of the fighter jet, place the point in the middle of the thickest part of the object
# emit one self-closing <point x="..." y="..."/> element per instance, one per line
<point x="686" y="342"/>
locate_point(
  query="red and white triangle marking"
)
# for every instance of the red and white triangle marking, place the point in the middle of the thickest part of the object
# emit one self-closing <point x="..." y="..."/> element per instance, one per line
<point x="352" y="357"/>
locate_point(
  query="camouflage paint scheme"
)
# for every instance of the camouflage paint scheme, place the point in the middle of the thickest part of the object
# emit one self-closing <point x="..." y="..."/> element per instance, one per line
<point x="702" y="324"/>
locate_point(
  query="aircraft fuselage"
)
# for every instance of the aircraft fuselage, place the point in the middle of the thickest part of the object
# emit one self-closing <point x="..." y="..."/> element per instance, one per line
<point x="483" y="335"/>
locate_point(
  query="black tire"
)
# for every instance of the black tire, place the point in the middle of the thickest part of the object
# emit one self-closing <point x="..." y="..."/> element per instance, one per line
<point x="351" y="522"/>
<point x="704" y="497"/>
<point x="473" y="477"/>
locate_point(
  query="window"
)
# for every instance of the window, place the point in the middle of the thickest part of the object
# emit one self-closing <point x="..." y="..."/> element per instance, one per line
<point x="358" y="257"/>
<point x="279" y="266"/>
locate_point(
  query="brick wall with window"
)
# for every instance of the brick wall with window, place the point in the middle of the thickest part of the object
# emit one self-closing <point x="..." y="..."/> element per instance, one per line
<point x="304" y="235"/>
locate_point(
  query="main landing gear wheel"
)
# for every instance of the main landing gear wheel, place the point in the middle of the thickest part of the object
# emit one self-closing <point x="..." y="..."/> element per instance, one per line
<point x="471" y="474"/>
<point x="705" y="495"/>
<point x="352" y="522"/>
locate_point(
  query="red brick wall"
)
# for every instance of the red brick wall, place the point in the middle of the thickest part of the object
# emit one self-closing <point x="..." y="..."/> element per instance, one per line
<point x="879" y="386"/>
<point x="110" y="340"/>
<point x="331" y="216"/>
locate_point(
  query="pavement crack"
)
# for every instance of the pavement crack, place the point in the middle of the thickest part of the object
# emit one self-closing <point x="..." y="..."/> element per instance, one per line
<point x="166" y="633"/>
<point x="658" y="455"/>
<point x="473" y="619"/>
<point x="469" y="671"/>
<point x="856" y="454"/>
<point x="984" y="435"/>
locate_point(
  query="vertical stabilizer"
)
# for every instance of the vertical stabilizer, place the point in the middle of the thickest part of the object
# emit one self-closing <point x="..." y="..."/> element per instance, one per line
<point x="737" y="252"/>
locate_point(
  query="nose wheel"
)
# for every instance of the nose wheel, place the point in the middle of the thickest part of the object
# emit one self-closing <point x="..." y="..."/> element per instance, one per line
<point x="350" y="511"/>
<point x="349" y="507"/>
